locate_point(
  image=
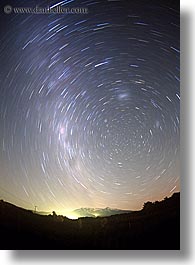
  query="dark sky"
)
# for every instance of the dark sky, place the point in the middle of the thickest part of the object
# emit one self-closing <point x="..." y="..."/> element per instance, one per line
<point x="90" y="104"/>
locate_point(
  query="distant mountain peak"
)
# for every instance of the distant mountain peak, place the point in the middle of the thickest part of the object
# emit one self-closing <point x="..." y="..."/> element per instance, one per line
<point x="95" y="212"/>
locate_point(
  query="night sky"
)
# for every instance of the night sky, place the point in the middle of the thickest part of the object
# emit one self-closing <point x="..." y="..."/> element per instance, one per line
<point x="90" y="105"/>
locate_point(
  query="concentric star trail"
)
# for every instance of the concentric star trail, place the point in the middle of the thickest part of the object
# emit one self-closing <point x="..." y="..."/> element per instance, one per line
<point x="90" y="105"/>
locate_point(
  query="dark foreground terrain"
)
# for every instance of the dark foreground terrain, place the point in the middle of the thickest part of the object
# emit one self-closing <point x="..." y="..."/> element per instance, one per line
<point x="156" y="226"/>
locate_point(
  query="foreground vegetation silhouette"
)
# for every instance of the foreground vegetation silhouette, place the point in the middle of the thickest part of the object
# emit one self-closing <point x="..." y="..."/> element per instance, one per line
<point x="156" y="226"/>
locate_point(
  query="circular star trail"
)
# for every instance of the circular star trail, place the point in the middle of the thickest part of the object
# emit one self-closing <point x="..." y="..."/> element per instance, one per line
<point x="89" y="106"/>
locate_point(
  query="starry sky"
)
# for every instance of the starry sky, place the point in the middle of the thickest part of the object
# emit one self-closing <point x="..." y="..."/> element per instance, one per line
<point x="90" y="105"/>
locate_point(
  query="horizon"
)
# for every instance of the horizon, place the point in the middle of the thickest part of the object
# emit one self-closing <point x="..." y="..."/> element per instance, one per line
<point x="71" y="213"/>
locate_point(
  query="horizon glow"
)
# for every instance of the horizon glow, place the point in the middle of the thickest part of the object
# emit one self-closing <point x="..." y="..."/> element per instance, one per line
<point x="90" y="106"/>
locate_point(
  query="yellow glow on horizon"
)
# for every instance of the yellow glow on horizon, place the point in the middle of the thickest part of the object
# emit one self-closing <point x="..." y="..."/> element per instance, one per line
<point x="69" y="214"/>
<point x="72" y="216"/>
<point x="96" y="214"/>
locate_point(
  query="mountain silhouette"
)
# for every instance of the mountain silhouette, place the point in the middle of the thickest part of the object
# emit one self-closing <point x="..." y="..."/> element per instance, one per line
<point x="156" y="226"/>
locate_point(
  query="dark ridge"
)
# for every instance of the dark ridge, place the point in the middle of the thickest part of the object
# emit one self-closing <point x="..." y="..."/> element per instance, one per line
<point x="156" y="226"/>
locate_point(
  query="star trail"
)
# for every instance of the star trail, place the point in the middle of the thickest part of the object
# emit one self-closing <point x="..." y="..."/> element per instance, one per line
<point x="90" y="105"/>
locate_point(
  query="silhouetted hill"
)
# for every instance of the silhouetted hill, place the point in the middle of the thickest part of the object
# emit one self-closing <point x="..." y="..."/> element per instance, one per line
<point x="156" y="226"/>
